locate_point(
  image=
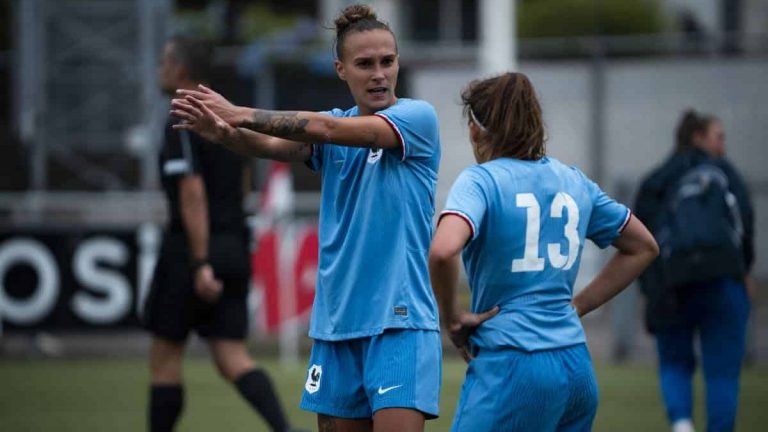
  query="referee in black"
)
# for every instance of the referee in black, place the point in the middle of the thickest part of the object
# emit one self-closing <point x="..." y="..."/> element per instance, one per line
<point x="202" y="276"/>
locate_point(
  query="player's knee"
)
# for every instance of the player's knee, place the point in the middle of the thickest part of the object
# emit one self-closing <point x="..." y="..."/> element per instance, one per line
<point x="165" y="362"/>
<point x="231" y="372"/>
<point x="165" y="369"/>
<point x="232" y="362"/>
<point x="225" y="370"/>
<point x="237" y="368"/>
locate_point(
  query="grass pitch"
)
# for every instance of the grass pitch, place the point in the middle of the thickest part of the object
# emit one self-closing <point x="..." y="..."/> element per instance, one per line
<point x="111" y="395"/>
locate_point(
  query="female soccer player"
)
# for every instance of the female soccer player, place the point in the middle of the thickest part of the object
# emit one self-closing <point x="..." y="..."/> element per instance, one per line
<point x="376" y="356"/>
<point x="521" y="219"/>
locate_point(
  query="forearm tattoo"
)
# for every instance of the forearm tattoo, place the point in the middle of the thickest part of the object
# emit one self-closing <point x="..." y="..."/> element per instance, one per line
<point x="302" y="149"/>
<point x="284" y="124"/>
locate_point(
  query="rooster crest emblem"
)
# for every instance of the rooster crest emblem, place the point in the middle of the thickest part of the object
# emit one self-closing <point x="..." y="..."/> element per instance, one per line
<point x="313" y="378"/>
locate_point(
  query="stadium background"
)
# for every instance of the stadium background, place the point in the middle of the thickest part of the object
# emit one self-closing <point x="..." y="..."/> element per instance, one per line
<point x="80" y="208"/>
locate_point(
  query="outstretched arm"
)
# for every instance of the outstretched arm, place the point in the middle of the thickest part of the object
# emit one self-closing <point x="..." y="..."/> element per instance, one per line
<point x="636" y="250"/>
<point x="451" y="236"/>
<point x="303" y="126"/>
<point x="254" y="144"/>
<point x="199" y="118"/>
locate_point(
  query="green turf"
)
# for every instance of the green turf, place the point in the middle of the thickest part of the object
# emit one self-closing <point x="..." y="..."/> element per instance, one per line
<point x="110" y="395"/>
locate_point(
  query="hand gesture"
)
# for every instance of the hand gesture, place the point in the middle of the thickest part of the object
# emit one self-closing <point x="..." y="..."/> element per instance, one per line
<point x="466" y="322"/>
<point x="195" y="116"/>
<point x="215" y="102"/>
<point x="207" y="287"/>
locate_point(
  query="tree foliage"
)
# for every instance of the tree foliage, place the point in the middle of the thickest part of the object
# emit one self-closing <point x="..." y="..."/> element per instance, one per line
<point x="563" y="18"/>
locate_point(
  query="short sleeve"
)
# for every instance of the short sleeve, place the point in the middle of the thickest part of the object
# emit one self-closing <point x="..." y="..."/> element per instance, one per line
<point x="181" y="153"/>
<point x="416" y="127"/>
<point x="608" y="218"/>
<point x="467" y="199"/>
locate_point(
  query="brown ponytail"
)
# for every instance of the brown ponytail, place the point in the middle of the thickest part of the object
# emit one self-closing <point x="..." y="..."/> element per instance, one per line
<point x="507" y="109"/>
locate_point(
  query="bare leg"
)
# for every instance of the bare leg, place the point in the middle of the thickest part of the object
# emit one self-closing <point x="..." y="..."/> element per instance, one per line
<point x="335" y="424"/>
<point x="165" y="361"/>
<point x="166" y="400"/>
<point x="398" y="420"/>
<point x="231" y="357"/>
<point x="236" y="365"/>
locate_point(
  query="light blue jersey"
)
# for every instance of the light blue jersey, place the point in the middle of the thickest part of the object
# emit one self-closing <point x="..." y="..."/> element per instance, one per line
<point x="375" y="229"/>
<point x="529" y="220"/>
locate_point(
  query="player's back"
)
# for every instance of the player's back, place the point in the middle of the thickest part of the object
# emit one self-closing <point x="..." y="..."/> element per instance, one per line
<point x="525" y="253"/>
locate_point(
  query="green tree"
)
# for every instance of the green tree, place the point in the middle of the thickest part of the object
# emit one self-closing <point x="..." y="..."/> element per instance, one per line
<point x="563" y="18"/>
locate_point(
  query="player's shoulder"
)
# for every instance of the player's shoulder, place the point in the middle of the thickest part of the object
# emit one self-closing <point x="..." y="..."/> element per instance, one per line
<point x="338" y="112"/>
<point x="568" y="170"/>
<point x="480" y="174"/>
<point x="419" y="109"/>
<point x="579" y="183"/>
<point x="415" y="104"/>
<point x="421" y="106"/>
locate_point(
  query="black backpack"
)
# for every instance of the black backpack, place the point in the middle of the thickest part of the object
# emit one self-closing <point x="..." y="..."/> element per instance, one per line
<point x="700" y="229"/>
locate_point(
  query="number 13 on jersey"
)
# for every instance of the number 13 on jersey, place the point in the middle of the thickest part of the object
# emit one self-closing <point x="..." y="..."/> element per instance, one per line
<point x="531" y="261"/>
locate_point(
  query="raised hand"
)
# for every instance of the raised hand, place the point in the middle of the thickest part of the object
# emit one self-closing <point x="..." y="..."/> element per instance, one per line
<point x="197" y="117"/>
<point x="465" y="324"/>
<point x="217" y="103"/>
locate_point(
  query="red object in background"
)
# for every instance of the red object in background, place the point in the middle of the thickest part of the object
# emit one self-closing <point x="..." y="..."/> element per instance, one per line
<point x="265" y="269"/>
<point x="300" y="283"/>
<point x="305" y="270"/>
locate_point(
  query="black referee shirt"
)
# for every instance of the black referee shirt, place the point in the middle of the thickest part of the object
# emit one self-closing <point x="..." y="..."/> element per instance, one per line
<point x="186" y="153"/>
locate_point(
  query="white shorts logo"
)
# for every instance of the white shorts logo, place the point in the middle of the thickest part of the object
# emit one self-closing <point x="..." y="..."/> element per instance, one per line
<point x="388" y="389"/>
<point x="374" y="155"/>
<point x="313" y="379"/>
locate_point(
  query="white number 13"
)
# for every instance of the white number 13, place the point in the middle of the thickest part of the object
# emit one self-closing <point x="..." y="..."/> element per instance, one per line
<point x="531" y="261"/>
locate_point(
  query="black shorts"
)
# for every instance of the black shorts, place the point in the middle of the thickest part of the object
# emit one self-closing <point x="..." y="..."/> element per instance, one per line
<point x="172" y="308"/>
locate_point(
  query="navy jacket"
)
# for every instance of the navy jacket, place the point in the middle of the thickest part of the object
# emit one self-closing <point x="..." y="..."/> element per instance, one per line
<point x="662" y="306"/>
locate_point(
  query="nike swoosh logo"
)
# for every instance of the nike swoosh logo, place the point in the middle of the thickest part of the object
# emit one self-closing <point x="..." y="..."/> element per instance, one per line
<point x="384" y="390"/>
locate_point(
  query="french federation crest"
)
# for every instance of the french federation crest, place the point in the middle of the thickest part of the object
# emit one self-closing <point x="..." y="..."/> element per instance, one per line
<point x="374" y="155"/>
<point x="313" y="379"/>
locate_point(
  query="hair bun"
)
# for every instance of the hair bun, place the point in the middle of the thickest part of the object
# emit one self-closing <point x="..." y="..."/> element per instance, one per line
<point x="353" y="14"/>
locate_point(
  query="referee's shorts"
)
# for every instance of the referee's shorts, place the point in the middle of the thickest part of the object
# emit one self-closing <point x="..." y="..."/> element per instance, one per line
<point x="172" y="308"/>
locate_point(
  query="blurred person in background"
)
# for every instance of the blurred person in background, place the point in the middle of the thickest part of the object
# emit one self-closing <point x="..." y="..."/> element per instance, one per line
<point x="376" y="358"/>
<point x="521" y="219"/>
<point x="201" y="280"/>
<point x="699" y="209"/>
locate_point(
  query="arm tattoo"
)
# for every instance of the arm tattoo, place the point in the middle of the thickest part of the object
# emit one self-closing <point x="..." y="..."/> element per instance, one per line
<point x="284" y="124"/>
<point x="300" y="150"/>
<point x="325" y="423"/>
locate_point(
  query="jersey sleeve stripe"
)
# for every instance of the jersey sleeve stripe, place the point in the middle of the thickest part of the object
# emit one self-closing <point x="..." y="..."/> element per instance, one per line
<point x="626" y="221"/>
<point x="397" y="132"/>
<point x="461" y="215"/>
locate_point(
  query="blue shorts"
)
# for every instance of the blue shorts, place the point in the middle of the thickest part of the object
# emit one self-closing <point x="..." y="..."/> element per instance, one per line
<point x="355" y="378"/>
<point x="511" y="390"/>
